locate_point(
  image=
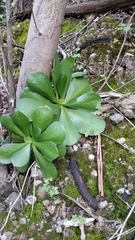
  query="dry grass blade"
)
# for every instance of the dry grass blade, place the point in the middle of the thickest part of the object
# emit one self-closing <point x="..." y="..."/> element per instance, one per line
<point x="17" y="198"/>
<point x="100" y="169"/>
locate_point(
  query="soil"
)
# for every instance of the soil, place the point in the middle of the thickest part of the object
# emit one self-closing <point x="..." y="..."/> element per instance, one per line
<point x="65" y="215"/>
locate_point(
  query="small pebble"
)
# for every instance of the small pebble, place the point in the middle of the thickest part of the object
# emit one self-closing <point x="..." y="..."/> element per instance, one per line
<point x="6" y="236"/>
<point x="91" y="157"/>
<point x="31" y="199"/>
<point x="116" y="118"/>
<point x="86" y="146"/>
<point x="103" y="204"/>
<point x="35" y="172"/>
<point x="59" y="229"/>
<point x="23" y="221"/>
<point x="46" y="203"/>
<point x="38" y="182"/>
<point x="94" y="173"/>
<point x="75" y="148"/>
<point x="130" y="168"/>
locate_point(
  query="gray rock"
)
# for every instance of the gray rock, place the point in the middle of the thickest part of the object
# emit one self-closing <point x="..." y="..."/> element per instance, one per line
<point x="126" y="104"/>
<point x="23" y="221"/>
<point x="41" y="192"/>
<point x="86" y="146"/>
<point x="116" y="118"/>
<point x="91" y="157"/>
<point x="94" y="173"/>
<point x="31" y="199"/>
<point x="46" y="203"/>
<point x="68" y="233"/>
<point x="6" y="236"/>
<point x="5" y="186"/>
<point x="2" y="208"/>
<point x="11" y="199"/>
<point x="35" y="172"/>
<point x="59" y="229"/>
<point x="103" y="204"/>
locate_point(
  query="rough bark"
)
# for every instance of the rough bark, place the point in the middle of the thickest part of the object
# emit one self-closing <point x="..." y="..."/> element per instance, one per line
<point x="11" y="86"/>
<point x="98" y="6"/>
<point x="42" y="41"/>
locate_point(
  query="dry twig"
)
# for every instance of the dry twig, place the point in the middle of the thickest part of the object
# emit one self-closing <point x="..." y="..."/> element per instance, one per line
<point x="118" y="56"/>
<point x="100" y="169"/>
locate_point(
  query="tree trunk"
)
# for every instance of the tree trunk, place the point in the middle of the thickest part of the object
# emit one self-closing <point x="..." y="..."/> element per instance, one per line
<point x="97" y="6"/>
<point x="42" y="41"/>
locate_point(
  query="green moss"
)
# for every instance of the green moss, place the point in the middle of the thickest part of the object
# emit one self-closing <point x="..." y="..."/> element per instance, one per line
<point x="110" y="22"/>
<point x="71" y="190"/>
<point x="36" y="214"/>
<point x="20" y="31"/>
<point x="71" y="25"/>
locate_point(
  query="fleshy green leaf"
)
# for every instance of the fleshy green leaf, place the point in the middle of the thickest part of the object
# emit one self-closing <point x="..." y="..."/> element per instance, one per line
<point x="28" y="105"/>
<point x="62" y="150"/>
<point x="72" y="135"/>
<point x="39" y="82"/>
<point x="7" y="150"/>
<point x="10" y="126"/>
<point x="42" y="117"/>
<point x="46" y="167"/>
<point x="66" y="66"/>
<point x="61" y="86"/>
<point x="42" y="100"/>
<point x="48" y="149"/>
<point x="55" y="133"/>
<point x="17" y="139"/>
<point x="22" y="122"/>
<point x="85" y="122"/>
<point x="55" y="73"/>
<point x="77" y="74"/>
<point x="88" y="101"/>
<point x="29" y="94"/>
<point x="36" y="132"/>
<point x="76" y="88"/>
<point x="21" y="158"/>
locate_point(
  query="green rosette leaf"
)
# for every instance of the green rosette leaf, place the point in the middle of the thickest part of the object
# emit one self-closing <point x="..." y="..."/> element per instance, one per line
<point x="55" y="133"/>
<point x="42" y="117"/>
<point x="39" y="82"/>
<point x="21" y="158"/>
<point x="55" y="73"/>
<point x="36" y="132"/>
<point x="7" y="150"/>
<point x="28" y="105"/>
<point x="47" y="168"/>
<point x="89" y="101"/>
<point x="8" y="124"/>
<point x="48" y="148"/>
<point x="22" y="122"/>
<point x="76" y="88"/>
<point x="85" y="122"/>
<point x="72" y="134"/>
<point x="29" y="94"/>
<point x="62" y="150"/>
<point x="17" y="138"/>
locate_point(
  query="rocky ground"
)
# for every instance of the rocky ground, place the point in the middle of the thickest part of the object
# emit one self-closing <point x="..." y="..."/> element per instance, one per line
<point x="38" y="210"/>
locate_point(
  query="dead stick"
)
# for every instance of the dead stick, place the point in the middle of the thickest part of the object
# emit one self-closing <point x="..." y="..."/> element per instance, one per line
<point x="100" y="169"/>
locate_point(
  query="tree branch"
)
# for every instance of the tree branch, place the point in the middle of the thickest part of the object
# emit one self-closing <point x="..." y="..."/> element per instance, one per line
<point x="98" y="6"/>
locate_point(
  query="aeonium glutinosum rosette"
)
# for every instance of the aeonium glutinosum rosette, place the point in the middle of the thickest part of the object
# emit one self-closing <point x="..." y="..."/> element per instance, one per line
<point x="70" y="97"/>
<point x="41" y="135"/>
